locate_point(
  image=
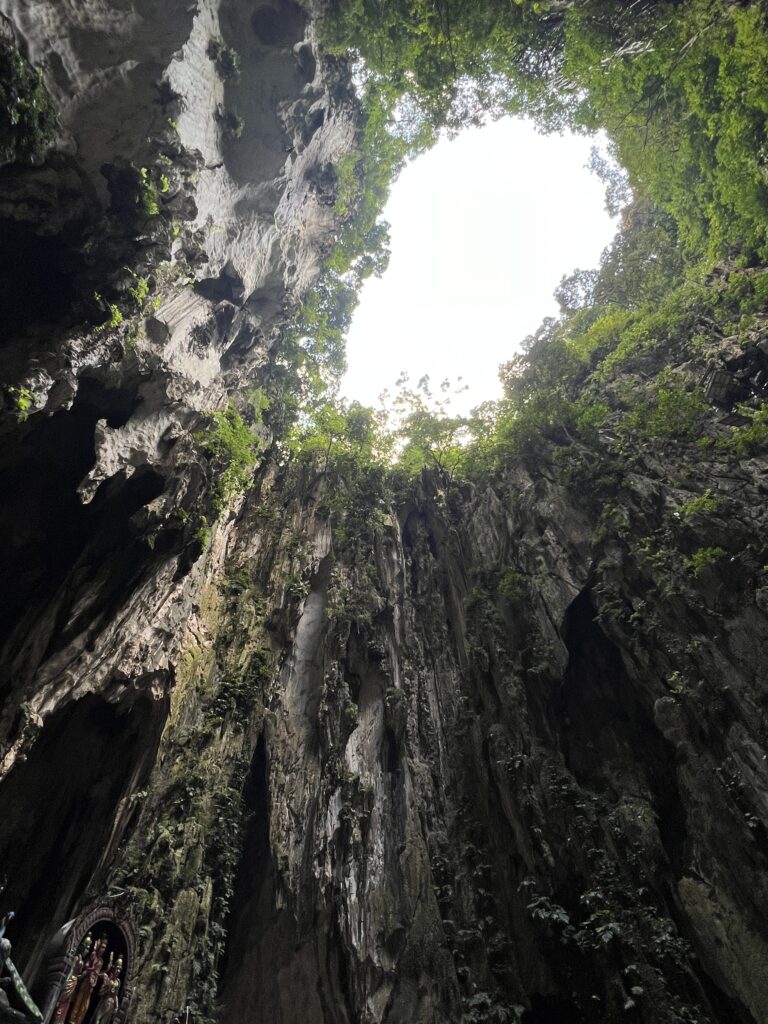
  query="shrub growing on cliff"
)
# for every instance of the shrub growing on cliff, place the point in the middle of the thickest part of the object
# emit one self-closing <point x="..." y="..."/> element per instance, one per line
<point x="226" y="59"/>
<point x="704" y="559"/>
<point x="706" y="504"/>
<point x="21" y="401"/>
<point x="235" y="447"/>
<point x="512" y="584"/>
<point x="27" y="117"/>
<point x="115" y="317"/>
<point x="147" y="194"/>
<point x="667" y="411"/>
<point x="750" y="438"/>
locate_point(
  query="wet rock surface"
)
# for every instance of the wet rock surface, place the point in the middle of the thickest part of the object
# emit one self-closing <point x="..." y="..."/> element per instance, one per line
<point x="464" y="754"/>
<point x="499" y="764"/>
<point x="187" y="249"/>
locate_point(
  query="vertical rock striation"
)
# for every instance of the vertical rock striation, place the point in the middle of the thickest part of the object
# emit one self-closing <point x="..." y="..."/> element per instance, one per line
<point x="197" y="245"/>
<point x="154" y="251"/>
<point x="461" y="754"/>
<point x="502" y="760"/>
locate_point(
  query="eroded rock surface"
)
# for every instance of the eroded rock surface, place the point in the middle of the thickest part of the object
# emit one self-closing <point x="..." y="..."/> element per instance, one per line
<point x="504" y="756"/>
<point x="456" y="754"/>
<point x="188" y="247"/>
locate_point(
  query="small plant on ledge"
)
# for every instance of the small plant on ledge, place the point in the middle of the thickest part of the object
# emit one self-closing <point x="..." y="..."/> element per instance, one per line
<point x="226" y="59"/>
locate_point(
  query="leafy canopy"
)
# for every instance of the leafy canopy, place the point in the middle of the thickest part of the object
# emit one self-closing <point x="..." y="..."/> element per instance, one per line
<point x="681" y="92"/>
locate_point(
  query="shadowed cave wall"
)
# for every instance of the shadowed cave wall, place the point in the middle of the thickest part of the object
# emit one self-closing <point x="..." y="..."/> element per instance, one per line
<point x="459" y="754"/>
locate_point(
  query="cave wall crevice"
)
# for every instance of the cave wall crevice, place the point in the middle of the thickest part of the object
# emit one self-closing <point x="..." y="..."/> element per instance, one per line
<point x="470" y="754"/>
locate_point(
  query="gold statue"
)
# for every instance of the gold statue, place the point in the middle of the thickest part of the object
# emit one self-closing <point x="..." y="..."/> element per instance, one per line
<point x="69" y="986"/>
<point x="88" y="979"/>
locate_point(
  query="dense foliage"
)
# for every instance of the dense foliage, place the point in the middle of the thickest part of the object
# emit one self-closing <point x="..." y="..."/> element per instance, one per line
<point x="680" y="90"/>
<point x="233" y="443"/>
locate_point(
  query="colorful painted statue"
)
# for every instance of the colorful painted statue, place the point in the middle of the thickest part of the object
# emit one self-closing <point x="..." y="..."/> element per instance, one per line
<point x="65" y="997"/>
<point x="108" y="993"/>
<point x="69" y="986"/>
<point x="88" y="980"/>
<point x="107" y="1002"/>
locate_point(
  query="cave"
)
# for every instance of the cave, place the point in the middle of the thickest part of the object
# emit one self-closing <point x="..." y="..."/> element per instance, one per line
<point x="457" y="717"/>
<point x="92" y="755"/>
<point x="43" y="519"/>
<point x="278" y="26"/>
<point x="37" y="275"/>
<point x="391" y="752"/>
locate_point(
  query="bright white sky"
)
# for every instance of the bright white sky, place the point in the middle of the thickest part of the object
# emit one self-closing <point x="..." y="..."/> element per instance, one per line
<point x="483" y="228"/>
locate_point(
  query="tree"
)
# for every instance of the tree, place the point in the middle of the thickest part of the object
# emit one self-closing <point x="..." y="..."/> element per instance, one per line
<point x="679" y="89"/>
<point x="618" y="191"/>
<point x="426" y="434"/>
<point x="576" y="290"/>
<point x="643" y="261"/>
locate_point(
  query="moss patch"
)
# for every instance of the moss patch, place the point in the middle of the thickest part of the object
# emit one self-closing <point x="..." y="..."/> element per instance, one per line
<point x="27" y="117"/>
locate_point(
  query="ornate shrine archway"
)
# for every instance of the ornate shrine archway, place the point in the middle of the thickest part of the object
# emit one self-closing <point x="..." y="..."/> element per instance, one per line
<point x="91" y="969"/>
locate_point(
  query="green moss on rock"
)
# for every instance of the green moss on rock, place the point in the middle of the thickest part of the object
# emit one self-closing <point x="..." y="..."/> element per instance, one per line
<point x="27" y="117"/>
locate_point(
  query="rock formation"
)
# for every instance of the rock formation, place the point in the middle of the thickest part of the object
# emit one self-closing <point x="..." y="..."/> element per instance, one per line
<point x="458" y="754"/>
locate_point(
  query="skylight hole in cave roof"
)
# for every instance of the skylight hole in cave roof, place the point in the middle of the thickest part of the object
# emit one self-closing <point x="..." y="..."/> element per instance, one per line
<point x="483" y="228"/>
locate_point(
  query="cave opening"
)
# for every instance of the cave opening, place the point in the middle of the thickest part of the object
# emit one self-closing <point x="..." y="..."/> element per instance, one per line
<point x="43" y="519"/>
<point x="391" y="752"/>
<point x="483" y="227"/>
<point x="91" y="755"/>
<point x="610" y="731"/>
<point x="37" y="275"/>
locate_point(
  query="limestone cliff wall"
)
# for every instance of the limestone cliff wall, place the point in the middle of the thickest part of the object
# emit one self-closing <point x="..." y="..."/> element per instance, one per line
<point x="151" y="259"/>
<point x="457" y="754"/>
<point x="196" y="245"/>
<point x="500" y="762"/>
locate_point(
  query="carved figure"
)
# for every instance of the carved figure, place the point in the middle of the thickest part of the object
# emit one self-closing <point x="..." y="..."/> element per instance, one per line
<point x="89" y="978"/>
<point x="68" y="990"/>
<point x="70" y="985"/>
<point x="108" y="1001"/>
<point x="108" y="993"/>
<point x="106" y="972"/>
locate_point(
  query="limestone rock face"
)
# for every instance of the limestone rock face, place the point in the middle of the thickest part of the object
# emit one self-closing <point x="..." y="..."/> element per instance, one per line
<point x="498" y="760"/>
<point x="445" y="756"/>
<point x="149" y="267"/>
<point x="178" y="211"/>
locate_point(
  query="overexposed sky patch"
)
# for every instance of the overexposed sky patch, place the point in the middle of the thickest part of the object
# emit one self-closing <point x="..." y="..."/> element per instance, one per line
<point x="483" y="228"/>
